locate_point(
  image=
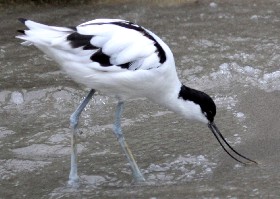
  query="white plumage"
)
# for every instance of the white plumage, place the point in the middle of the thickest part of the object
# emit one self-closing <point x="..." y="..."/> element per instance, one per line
<point x="144" y="75"/>
<point x="125" y="60"/>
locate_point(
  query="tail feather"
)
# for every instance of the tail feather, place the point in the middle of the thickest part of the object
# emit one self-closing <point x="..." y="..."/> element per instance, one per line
<point x="22" y="20"/>
<point x="41" y="34"/>
<point x="21" y="31"/>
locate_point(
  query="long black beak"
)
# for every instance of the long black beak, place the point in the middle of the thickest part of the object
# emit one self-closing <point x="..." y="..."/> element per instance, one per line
<point x="230" y="151"/>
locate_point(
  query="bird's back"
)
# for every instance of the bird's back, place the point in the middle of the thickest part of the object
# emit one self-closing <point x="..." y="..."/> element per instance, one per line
<point x="104" y="53"/>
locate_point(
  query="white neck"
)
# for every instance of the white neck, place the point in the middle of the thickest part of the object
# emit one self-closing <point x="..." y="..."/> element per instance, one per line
<point x="170" y="99"/>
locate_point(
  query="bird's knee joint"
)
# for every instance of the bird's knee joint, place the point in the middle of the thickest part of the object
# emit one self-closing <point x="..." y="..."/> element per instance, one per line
<point x="73" y="121"/>
<point x="119" y="136"/>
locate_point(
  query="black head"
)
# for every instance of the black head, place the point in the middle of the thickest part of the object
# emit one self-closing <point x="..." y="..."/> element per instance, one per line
<point x="208" y="109"/>
<point x="207" y="105"/>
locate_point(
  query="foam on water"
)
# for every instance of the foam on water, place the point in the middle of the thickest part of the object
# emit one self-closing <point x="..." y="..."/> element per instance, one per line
<point x="17" y="98"/>
<point x="10" y="167"/>
<point x="230" y="73"/>
<point x="183" y="168"/>
<point x="213" y="5"/>
<point x="5" y="132"/>
<point x="93" y="179"/>
<point x="44" y="150"/>
<point x="249" y="75"/>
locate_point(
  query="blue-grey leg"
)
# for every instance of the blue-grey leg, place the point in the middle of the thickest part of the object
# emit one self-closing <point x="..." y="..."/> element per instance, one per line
<point x="74" y="120"/>
<point x="137" y="175"/>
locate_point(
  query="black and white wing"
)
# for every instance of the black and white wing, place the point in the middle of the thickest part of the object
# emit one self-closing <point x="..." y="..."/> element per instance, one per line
<point x="119" y="43"/>
<point x="101" y="44"/>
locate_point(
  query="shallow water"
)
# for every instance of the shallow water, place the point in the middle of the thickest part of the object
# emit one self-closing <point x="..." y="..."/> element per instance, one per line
<point x="227" y="49"/>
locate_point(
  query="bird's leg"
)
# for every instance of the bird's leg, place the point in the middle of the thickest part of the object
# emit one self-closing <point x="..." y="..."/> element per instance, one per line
<point x="74" y="119"/>
<point x="137" y="175"/>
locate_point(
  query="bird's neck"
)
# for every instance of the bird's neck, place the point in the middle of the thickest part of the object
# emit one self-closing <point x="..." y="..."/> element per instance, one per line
<point x="166" y="94"/>
<point x="179" y="99"/>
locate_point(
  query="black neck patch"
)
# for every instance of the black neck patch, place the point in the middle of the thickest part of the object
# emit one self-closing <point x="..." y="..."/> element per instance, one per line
<point x="200" y="98"/>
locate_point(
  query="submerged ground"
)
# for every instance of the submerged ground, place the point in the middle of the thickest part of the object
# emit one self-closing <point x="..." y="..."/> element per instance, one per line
<point x="229" y="49"/>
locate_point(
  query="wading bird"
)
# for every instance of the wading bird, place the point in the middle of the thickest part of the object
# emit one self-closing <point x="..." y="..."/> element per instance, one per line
<point x="124" y="60"/>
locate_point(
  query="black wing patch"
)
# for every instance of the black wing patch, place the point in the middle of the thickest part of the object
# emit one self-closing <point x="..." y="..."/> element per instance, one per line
<point x="79" y="40"/>
<point x="101" y="58"/>
<point x="126" y="65"/>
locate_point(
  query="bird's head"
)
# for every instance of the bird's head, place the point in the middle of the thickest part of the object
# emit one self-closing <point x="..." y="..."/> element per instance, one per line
<point x="199" y="106"/>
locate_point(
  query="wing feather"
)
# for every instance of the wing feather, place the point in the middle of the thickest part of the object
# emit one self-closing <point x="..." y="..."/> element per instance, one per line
<point x="126" y="44"/>
<point x="102" y="44"/>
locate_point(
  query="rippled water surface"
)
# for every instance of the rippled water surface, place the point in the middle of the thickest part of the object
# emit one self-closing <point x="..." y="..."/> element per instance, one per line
<point x="229" y="49"/>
